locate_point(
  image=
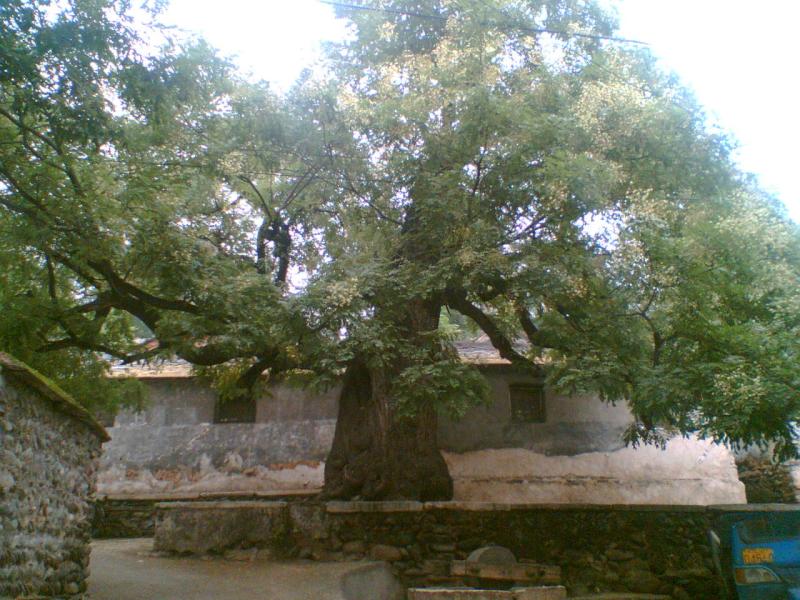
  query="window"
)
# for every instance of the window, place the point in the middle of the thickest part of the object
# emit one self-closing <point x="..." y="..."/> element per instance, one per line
<point x="775" y="527"/>
<point x="235" y="410"/>
<point x="527" y="403"/>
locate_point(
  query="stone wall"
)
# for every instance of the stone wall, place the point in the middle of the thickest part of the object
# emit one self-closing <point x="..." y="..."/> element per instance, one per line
<point x="135" y="517"/>
<point x="660" y="550"/>
<point x="631" y="549"/>
<point x="49" y="449"/>
<point x="128" y="518"/>
<point x="767" y="481"/>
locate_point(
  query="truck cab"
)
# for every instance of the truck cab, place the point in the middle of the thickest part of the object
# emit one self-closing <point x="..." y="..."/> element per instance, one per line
<point x="758" y="555"/>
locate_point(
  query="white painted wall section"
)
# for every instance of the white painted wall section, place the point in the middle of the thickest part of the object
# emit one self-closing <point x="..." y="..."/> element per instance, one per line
<point x="687" y="472"/>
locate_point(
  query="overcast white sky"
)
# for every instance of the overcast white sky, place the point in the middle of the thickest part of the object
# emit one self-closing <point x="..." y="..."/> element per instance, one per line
<point x="739" y="57"/>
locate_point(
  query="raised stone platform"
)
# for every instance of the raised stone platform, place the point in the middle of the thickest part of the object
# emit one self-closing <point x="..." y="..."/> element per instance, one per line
<point x="529" y="593"/>
<point x="213" y="527"/>
<point x="650" y="549"/>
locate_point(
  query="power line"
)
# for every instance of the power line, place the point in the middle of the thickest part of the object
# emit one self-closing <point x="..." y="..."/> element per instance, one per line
<point x="499" y="25"/>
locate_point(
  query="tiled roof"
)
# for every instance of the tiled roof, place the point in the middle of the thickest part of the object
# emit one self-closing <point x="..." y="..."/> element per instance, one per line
<point x="477" y="351"/>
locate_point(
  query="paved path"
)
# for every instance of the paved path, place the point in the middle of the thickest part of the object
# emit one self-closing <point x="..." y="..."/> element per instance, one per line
<point x="127" y="570"/>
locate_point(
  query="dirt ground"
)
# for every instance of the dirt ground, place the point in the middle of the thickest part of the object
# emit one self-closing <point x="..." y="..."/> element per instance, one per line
<point x="128" y="570"/>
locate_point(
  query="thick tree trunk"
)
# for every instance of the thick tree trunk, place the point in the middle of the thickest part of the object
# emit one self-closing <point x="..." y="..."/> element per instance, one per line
<point x="376" y="453"/>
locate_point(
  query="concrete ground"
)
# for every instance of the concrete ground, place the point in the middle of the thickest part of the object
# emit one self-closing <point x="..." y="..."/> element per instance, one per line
<point x="128" y="570"/>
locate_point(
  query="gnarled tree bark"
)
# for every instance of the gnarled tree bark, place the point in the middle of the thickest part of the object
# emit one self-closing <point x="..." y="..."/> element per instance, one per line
<point x="378" y="454"/>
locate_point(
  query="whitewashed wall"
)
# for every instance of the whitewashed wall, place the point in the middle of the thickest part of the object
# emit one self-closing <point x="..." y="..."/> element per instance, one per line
<point x="576" y="456"/>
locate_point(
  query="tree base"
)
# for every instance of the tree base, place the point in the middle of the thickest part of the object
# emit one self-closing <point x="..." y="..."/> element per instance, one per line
<point x="377" y="455"/>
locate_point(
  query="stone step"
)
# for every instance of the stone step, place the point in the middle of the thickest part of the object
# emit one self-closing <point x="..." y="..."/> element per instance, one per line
<point x="520" y="572"/>
<point x="526" y="593"/>
<point x="621" y="596"/>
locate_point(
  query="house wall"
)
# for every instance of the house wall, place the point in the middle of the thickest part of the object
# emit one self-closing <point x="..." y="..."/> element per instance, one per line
<point x="576" y="455"/>
<point x="186" y="401"/>
<point x="574" y="424"/>
<point x="174" y="447"/>
<point x="48" y="462"/>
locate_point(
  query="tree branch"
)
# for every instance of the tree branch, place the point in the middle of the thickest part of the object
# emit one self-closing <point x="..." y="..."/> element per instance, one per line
<point x="263" y="201"/>
<point x="458" y="300"/>
<point x="65" y="167"/>
<point x="124" y="288"/>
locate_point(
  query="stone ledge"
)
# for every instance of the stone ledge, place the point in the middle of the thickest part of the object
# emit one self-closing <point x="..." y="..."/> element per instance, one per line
<point x="220" y="505"/>
<point x="754" y="507"/>
<point x="337" y="507"/>
<point x="495" y="507"/>
<point x="179" y="495"/>
<point x="373" y="507"/>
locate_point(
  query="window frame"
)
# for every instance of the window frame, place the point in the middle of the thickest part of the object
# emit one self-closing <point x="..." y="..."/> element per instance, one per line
<point x="235" y="410"/>
<point x="535" y="409"/>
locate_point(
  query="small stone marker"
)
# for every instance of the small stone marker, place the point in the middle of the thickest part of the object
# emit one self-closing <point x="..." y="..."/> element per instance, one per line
<point x="492" y="555"/>
<point x="500" y="564"/>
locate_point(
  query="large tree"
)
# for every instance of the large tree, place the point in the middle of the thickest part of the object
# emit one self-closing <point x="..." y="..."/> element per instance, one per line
<point x="508" y="160"/>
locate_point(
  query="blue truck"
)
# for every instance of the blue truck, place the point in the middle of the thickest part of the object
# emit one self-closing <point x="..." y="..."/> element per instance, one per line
<point x="757" y="554"/>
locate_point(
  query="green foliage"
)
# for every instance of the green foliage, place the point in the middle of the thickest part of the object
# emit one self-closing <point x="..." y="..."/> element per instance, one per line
<point x="492" y="165"/>
<point x="448" y="385"/>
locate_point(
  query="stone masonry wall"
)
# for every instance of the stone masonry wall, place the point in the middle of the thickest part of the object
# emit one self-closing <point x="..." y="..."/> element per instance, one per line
<point x="659" y="550"/>
<point x="47" y="469"/>
<point x="123" y="518"/>
<point x="767" y="481"/>
<point x="135" y="517"/>
<point x="600" y="549"/>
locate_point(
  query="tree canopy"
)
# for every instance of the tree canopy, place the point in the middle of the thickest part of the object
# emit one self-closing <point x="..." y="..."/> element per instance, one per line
<point x="506" y="160"/>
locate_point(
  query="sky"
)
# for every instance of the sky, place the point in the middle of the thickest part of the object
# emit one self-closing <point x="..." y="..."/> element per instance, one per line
<point x="739" y="57"/>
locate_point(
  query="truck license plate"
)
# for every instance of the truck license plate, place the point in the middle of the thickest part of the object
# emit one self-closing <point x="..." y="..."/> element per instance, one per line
<point x="752" y="556"/>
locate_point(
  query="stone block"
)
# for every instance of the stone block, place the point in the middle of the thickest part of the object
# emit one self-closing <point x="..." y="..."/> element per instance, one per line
<point x="520" y="573"/>
<point x="492" y="555"/>
<point x="308" y="523"/>
<point x="373" y="581"/>
<point x="384" y="552"/>
<point x="354" y="547"/>
<point x="213" y="527"/>
<point x="642" y="581"/>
